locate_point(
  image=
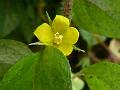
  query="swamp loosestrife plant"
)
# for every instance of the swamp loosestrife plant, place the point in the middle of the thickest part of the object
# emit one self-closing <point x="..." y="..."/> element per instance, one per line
<point x="59" y="34"/>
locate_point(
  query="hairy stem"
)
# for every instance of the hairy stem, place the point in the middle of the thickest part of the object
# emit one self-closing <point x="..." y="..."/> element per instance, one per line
<point x="67" y="11"/>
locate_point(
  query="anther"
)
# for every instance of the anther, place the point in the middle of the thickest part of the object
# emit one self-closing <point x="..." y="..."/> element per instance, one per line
<point x="57" y="38"/>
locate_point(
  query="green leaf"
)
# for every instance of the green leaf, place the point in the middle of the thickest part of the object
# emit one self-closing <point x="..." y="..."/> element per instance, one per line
<point x="27" y="23"/>
<point x="47" y="70"/>
<point x="8" y="18"/>
<point x="91" y="39"/>
<point x="3" y="69"/>
<point x="10" y="52"/>
<point x="103" y="76"/>
<point x="98" y="16"/>
<point x="17" y="16"/>
<point x="84" y="62"/>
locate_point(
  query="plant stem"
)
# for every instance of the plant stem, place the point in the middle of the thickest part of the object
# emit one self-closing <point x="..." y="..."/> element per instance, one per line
<point x="67" y="11"/>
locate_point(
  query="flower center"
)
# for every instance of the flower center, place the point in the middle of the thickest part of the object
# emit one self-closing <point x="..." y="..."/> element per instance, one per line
<point x="57" y="38"/>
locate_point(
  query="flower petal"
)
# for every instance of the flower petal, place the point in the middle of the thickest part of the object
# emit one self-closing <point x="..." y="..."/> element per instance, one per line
<point x="71" y="36"/>
<point x="60" y="24"/>
<point x="66" y="49"/>
<point x="44" y="33"/>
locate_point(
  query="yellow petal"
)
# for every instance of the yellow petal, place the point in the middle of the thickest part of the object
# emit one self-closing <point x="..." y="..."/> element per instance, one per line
<point x="60" y="24"/>
<point x="71" y="36"/>
<point x="44" y="33"/>
<point x="66" y="49"/>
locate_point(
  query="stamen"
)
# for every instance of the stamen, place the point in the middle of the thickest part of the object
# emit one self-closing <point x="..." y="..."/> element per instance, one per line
<point x="57" y="38"/>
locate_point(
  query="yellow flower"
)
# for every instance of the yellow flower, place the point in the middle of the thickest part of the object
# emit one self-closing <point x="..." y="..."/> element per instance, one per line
<point x="59" y="34"/>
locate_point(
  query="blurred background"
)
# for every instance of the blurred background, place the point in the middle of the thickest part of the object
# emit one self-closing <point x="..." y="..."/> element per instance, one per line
<point x="19" y="19"/>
